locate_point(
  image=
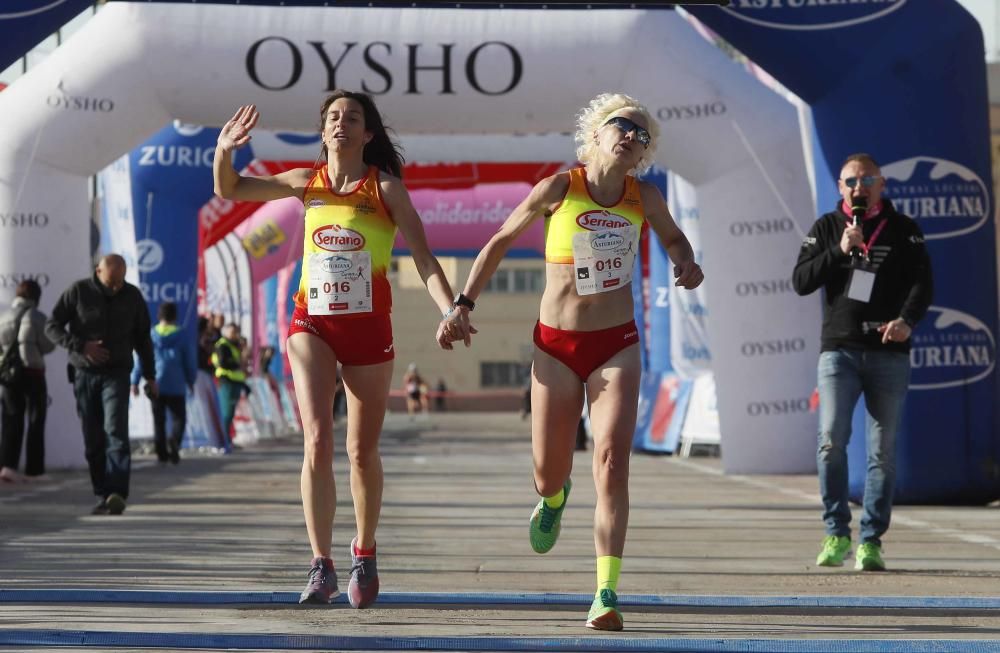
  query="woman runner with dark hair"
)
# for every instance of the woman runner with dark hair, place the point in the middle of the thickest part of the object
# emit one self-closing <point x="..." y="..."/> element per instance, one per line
<point x="354" y="203"/>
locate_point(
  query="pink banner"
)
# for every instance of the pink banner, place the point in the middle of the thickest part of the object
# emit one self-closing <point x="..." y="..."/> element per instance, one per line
<point x="272" y="237"/>
<point x="461" y="221"/>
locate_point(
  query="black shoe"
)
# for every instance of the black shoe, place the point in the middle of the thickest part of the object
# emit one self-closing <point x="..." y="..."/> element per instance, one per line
<point x="101" y="508"/>
<point x="175" y="455"/>
<point x="115" y="503"/>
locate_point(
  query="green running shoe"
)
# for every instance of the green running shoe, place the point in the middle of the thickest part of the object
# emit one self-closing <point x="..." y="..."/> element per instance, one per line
<point x="869" y="558"/>
<point x="835" y="549"/>
<point x="604" y="614"/>
<point x="543" y="529"/>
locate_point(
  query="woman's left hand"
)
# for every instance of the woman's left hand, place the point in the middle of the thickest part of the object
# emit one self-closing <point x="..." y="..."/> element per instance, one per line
<point x="454" y="327"/>
<point x="688" y="275"/>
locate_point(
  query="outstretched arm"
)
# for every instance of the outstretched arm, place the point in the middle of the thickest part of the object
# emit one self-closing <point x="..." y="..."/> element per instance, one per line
<point x="546" y="193"/>
<point x="687" y="272"/>
<point x="230" y="184"/>
<point x="405" y="216"/>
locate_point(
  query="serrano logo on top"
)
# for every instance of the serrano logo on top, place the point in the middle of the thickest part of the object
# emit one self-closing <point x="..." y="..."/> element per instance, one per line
<point x="606" y="240"/>
<point x="601" y="219"/>
<point x="945" y="198"/>
<point x="950" y="348"/>
<point x="334" y="238"/>
<point x="811" y="14"/>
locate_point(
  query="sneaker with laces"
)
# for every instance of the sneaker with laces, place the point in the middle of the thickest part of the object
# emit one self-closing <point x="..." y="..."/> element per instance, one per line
<point x="363" y="588"/>
<point x="869" y="558"/>
<point x="116" y="504"/>
<point x="545" y="524"/>
<point x="835" y="549"/>
<point x="322" y="586"/>
<point x="604" y="614"/>
<point x="101" y="508"/>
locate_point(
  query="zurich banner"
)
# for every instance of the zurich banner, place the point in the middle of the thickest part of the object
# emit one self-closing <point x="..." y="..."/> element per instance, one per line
<point x="917" y="101"/>
<point x="171" y="179"/>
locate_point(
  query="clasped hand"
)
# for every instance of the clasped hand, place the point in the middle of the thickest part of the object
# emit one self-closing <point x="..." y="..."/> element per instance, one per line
<point x="454" y="327"/>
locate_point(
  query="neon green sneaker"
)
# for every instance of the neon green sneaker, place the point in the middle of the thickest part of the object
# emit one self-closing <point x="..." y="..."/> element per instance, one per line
<point x="543" y="529"/>
<point x="604" y="614"/>
<point x="835" y="549"/>
<point x="869" y="558"/>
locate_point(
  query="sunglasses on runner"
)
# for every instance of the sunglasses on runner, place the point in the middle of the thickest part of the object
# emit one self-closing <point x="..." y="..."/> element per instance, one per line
<point x="625" y="126"/>
<point x="867" y="181"/>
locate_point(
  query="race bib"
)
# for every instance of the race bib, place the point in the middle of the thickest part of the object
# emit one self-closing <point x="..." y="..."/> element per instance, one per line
<point x="340" y="283"/>
<point x="603" y="260"/>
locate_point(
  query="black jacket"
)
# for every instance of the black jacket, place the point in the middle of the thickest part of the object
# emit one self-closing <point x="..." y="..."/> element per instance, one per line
<point x="903" y="283"/>
<point x="92" y="312"/>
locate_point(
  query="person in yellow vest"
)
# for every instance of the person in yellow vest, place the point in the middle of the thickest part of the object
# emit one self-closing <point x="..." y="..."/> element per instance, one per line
<point x="231" y="376"/>
<point x="354" y="203"/>
<point x="586" y="338"/>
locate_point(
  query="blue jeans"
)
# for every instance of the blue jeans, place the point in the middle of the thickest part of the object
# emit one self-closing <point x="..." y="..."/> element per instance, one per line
<point x="102" y="404"/>
<point x="844" y="375"/>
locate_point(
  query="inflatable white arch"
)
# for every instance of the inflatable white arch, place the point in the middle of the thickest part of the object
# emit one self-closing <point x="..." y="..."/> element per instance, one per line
<point x="135" y="66"/>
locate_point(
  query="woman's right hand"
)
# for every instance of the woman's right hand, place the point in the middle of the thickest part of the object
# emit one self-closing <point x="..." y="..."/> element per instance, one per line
<point x="236" y="132"/>
<point x="454" y="327"/>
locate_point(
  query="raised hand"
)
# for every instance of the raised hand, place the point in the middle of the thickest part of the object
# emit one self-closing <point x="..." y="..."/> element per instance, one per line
<point x="236" y="132"/>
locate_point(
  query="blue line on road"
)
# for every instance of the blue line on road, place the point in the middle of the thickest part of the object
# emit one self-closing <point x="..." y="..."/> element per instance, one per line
<point x="611" y="643"/>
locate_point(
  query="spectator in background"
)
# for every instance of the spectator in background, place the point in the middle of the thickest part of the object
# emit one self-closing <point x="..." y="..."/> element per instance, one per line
<point x="175" y="375"/>
<point x="101" y="320"/>
<point x="23" y="326"/>
<point x="264" y="358"/>
<point x="439" y="402"/>
<point x="411" y="385"/>
<point x="206" y="341"/>
<point x="231" y="378"/>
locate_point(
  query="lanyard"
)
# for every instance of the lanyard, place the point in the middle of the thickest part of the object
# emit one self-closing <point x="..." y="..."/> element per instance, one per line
<point x="871" y="241"/>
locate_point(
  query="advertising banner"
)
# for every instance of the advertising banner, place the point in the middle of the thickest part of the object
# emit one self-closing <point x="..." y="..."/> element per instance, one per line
<point x="924" y="118"/>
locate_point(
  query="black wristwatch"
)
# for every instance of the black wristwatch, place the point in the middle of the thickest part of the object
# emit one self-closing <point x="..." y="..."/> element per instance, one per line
<point x="462" y="300"/>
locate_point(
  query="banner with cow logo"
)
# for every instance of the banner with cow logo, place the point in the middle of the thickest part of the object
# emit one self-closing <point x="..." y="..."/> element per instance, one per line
<point x="916" y="101"/>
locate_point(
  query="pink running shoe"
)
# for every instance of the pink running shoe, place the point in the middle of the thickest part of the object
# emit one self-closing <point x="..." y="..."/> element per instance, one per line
<point x="322" y="587"/>
<point x="363" y="588"/>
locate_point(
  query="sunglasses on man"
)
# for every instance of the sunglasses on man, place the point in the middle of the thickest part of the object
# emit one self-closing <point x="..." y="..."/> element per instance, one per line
<point x="867" y="181"/>
<point x="625" y="126"/>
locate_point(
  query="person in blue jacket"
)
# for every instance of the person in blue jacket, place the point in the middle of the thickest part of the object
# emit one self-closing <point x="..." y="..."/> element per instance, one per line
<point x="176" y="366"/>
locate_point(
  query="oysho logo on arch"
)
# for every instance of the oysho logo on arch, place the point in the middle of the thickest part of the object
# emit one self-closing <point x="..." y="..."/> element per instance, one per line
<point x="946" y="198"/>
<point x="950" y="348"/>
<point x="811" y="14"/>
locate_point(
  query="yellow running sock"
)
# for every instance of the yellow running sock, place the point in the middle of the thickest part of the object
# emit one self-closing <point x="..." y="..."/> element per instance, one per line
<point x="556" y="500"/>
<point x="608" y="568"/>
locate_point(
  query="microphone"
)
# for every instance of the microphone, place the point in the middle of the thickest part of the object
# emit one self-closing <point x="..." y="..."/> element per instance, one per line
<point x="859" y="206"/>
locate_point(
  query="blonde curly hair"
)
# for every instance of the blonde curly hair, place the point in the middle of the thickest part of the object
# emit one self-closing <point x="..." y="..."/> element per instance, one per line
<point x="593" y="116"/>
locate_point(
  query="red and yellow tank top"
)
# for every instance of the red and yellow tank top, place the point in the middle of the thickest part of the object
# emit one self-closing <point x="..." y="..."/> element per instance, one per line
<point x="579" y="212"/>
<point x="346" y="223"/>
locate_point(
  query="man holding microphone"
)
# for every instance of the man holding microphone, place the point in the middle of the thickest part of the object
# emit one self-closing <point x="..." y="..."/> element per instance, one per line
<point x="874" y="269"/>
